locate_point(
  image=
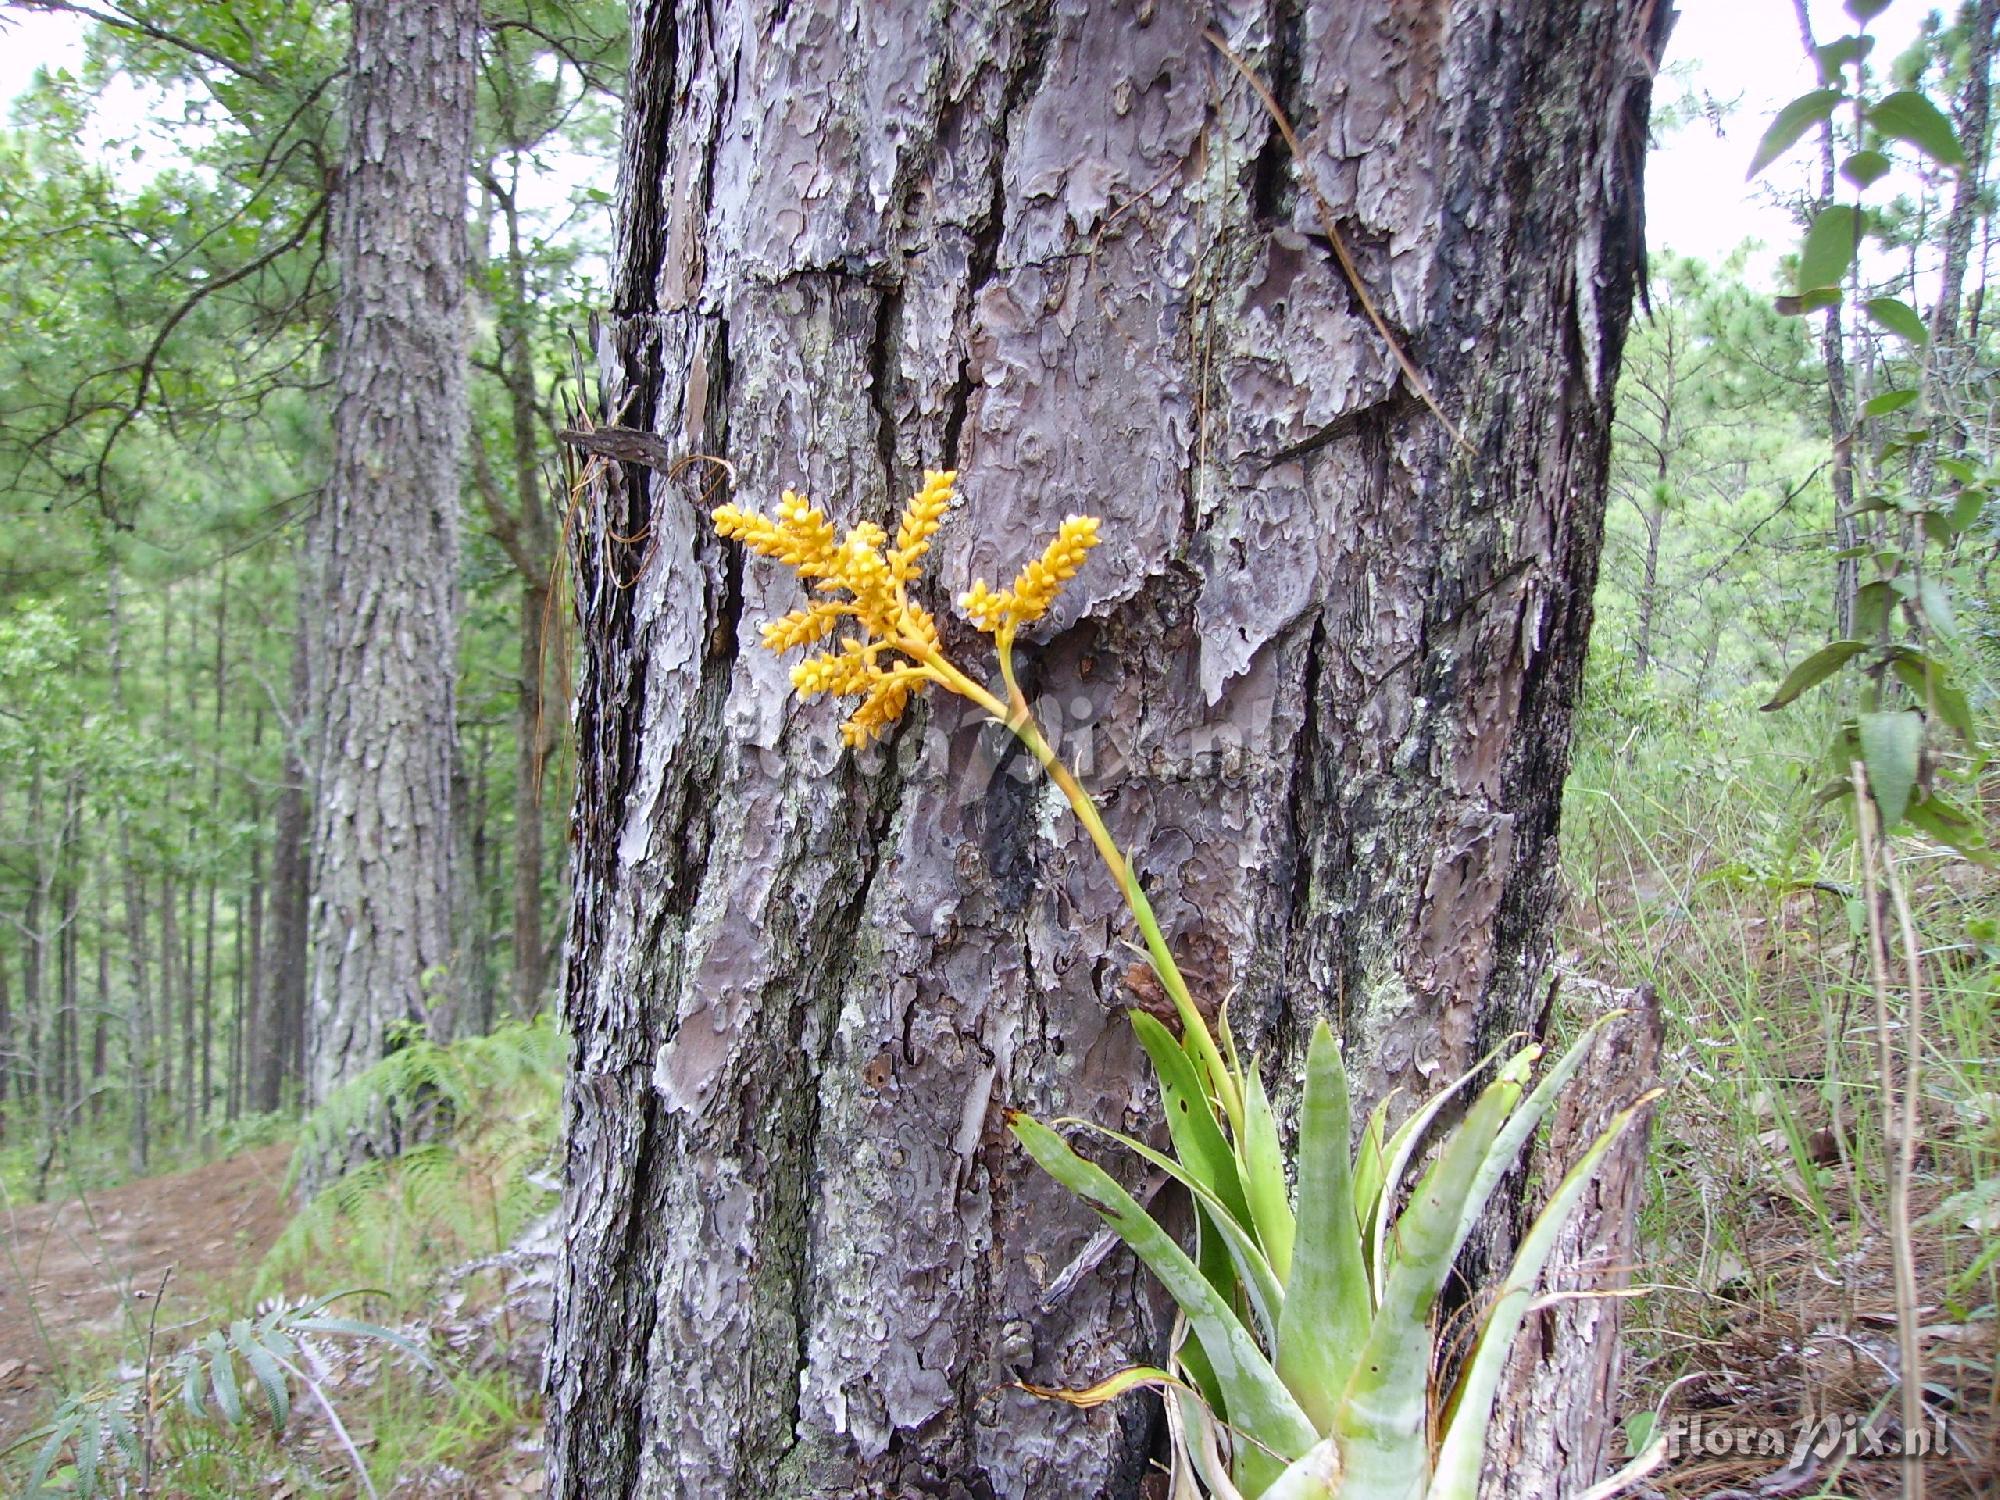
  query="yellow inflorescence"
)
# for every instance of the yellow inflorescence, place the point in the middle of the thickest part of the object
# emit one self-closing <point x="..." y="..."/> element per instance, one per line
<point x="897" y="651"/>
<point x="1036" y="586"/>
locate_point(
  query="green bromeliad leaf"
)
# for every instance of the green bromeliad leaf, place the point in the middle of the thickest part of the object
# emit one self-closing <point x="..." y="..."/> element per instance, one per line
<point x="1258" y="1404"/>
<point x="1325" y="1323"/>
<point x="1381" y="1421"/>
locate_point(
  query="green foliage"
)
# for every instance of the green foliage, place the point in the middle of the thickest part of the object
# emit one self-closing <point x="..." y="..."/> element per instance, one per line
<point x="100" y="1436"/>
<point x="1307" y="1347"/>
<point x="479" y="1117"/>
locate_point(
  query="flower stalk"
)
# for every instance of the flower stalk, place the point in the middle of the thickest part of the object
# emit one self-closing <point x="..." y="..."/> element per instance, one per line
<point x="863" y="584"/>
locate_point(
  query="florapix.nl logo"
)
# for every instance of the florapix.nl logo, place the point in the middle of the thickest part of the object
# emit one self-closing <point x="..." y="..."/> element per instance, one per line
<point x="1813" y="1437"/>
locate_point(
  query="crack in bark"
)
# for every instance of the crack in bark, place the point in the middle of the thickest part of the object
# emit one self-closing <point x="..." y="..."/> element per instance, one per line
<point x="1273" y="195"/>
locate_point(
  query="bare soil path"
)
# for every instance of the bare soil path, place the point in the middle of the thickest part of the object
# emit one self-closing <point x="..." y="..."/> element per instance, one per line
<point x="68" y="1267"/>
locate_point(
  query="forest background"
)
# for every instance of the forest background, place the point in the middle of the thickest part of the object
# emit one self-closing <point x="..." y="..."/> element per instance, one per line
<point x="164" y="306"/>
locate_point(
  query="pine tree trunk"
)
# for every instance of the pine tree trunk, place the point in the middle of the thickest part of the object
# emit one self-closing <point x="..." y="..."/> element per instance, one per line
<point x="69" y="1055"/>
<point x="34" y="934"/>
<point x="386" y="535"/>
<point x="100" y="1031"/>
<point x="280" y="1011"/>
<point x="139" y="1004"/>
<point x="1320" y="673"/>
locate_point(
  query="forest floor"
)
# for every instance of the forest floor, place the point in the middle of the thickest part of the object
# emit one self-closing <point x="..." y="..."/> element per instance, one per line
<point x="73" y="1270"/>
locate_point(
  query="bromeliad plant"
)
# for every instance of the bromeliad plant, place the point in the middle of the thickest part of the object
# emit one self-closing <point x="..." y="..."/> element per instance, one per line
<point x="1304" y="1351"/>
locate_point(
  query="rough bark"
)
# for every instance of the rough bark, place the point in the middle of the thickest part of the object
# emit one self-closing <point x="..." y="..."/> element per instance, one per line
<point x="1559" y="1396"/>
<point x="386" y="535"/>
<point x="1320" y="673"/>
<point x="1975" y="107"/>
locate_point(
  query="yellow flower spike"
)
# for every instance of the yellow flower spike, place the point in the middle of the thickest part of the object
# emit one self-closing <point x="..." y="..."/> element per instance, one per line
<point x="881" y="708"/>
<point x="803" y="627"/>
<point x="986" y="609"/>
<point x="801" y="538"/>
<point x="861" y="571"/>
<point x="920" y="522"/>
<point x="849" y="671"/>
<point x="1041" y="580"/>
<point x="889" y="624"/>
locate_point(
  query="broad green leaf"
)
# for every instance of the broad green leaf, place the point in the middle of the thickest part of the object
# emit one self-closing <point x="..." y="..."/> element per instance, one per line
<point x="1639" y="1428"/>
<point x="1951" y="826"/>
<point x="1326" y="1317"/>
<point x="1314" y="1477"/>
<point x="1807" y="302"/>
<point x="1937" y="608"/>
<point x="1841" y="51"/>
<point x="1243" y="1260"/>
<point x="1257" y="1401"/>
<point x="1865" y="168"/>
<point x="1814" y="670"/>
<point x="1891" y="746"/>
<point x="1873" y="602"/>
<point x="1264" y="1185"/>
<point x="1967" y="508"/>
<point x="1381" y="1420"/>
<point x="1471" y="1407"/>
<point x="1899" y="318"/>
<point x="1829" y="248"/>
<point x="1887" y="402"/>
<point x="1791" y="122"/>
<point x="1865" y="11"/>
<point x="1198" y="1138"/>
<point x="1909" y="116"/>
<point x="1927" y="681"/>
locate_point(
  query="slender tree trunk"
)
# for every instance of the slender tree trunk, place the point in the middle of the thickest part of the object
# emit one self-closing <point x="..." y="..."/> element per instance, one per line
<point x="215" y="814"/>
<point x="250" y="950"/>
<point x="100" y="1032"/>
<point x="170" y="977"/>
<point x="69" y="1047"/>
<point x="1974" y="114"/>
<point x="479" y="860"/>
<point x="138" y="1016"/>
<point x="387" y="533"/>
<point x="34" y="951"/>
<point x="10" y="1061"/>
<point x="190" y="1084"/>
<point x="1840" y="405"/>
<point x="534" y="739"/>
<point x="1649" y="586"/>
<point x="1321" y="672"/>
<point x="281" y="1011"/>
<point x="169" y="894"/>
<point x="525" y="531"/>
